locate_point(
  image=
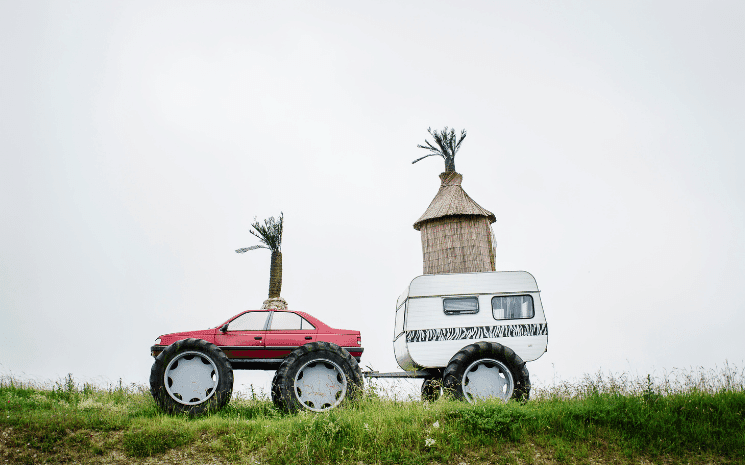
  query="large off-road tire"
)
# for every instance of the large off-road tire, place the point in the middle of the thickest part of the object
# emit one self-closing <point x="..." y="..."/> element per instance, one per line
<point x="191" y="376"/>
<point x="487" y="370"/>
<point x="317" y="376"/>
<point x="431" y="389"/>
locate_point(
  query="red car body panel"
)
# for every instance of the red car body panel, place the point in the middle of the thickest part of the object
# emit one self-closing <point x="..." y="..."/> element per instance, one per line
<point x="266" y="348"/>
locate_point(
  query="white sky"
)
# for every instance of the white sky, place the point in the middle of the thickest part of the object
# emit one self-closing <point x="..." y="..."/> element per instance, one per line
<point x="138" y="141"/>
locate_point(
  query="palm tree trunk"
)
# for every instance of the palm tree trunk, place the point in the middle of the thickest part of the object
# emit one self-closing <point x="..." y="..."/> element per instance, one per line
<point x="275" y="274"/>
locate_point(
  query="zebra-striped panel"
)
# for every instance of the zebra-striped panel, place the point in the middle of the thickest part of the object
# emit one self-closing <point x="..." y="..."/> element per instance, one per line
<point x="476" y="332"/>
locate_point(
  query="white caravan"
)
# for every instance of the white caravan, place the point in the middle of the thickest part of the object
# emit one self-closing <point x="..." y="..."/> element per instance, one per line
<point x="471" y="333"/>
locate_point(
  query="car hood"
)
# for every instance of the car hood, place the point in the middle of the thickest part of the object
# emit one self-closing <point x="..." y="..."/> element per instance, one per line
<point x="206" y="334"/>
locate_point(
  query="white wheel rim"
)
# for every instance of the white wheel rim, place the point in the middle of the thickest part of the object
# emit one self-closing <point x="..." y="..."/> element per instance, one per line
<point x="320" y="385"/>
<point x="487" y="378"/>
<point x="191" y="378"/>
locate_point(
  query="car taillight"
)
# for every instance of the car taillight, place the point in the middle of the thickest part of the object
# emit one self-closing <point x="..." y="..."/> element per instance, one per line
<point x="359" y="340"/>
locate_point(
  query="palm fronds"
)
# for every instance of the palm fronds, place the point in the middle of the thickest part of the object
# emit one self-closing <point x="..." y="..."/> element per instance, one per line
<point x="447" y="146"/>
<point x="253" y="247"/>
<point x="269" y="233"/>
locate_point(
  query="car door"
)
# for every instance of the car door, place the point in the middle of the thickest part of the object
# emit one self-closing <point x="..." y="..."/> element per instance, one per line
<point x="288" y="331"/>
<point x="244" y="338"/>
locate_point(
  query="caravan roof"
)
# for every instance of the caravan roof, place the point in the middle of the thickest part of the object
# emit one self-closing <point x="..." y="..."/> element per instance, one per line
<point x="493" y="282"/>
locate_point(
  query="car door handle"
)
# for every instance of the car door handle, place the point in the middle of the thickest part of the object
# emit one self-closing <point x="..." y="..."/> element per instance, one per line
<point x="258" y="338"/>
<point x="308" y="337"/>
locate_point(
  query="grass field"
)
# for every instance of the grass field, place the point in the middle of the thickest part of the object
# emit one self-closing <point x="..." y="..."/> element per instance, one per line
<point x="682" y="417"/>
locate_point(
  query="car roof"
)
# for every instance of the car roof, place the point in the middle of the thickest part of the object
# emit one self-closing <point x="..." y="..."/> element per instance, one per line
<point x="313" y="320"/>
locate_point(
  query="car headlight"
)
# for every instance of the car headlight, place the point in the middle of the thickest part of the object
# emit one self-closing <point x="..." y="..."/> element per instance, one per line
<point x="157" y="340"/>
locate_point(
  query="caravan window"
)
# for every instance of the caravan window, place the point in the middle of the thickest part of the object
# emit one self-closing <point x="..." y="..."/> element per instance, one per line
<point x="512" y="307"/>
<point x="460" y="305"/>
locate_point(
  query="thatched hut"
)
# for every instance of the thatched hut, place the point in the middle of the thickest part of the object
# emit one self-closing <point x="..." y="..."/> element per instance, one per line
<point x="456" y="231"/>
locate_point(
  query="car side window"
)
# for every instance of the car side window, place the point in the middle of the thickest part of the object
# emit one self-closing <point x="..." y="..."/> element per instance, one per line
<point x="289" y="321"/>
<point x="512" y="307"/>
<point x="251" y="321"/>
<point x="460" y="305"/>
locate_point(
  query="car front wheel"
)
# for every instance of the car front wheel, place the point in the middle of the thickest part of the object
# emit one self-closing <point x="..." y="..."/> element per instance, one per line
<point x="191" y="376"/>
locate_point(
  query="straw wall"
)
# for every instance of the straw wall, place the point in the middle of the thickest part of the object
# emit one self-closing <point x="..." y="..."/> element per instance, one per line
<point x="457" y="244"/>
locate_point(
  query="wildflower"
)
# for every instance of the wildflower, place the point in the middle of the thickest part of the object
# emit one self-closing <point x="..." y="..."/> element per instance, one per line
<point x="429" y="442"/>
<point x="436" y="424"/>
<point x="367" y="427"/>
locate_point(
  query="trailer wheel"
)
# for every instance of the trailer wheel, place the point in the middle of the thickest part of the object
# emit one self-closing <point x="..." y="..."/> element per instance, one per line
<point x="191" y="376"/>
<point x="487" y="370"/>
<point x="318" y="377"/>
<point x="431" y="389"/>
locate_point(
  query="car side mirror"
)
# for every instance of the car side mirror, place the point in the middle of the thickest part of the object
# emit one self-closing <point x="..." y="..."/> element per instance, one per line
<point x="224" y="328"/>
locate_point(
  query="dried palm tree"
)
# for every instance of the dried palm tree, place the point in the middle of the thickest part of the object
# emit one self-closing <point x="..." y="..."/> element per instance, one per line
<point x="270" y="234"/>
<point x="447" y="145"/>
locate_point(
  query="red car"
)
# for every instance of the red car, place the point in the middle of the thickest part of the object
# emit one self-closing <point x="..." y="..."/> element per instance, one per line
<point x="317" y="366"/>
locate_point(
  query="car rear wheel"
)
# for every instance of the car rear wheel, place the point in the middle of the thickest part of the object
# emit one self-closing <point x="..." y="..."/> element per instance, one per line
<point x="191" y="376"/>
<point x="487" y="370"/>
<point x="318" y="377"/>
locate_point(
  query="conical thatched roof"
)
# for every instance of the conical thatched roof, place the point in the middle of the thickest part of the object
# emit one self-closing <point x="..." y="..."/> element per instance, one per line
<point x="452" y="200"/>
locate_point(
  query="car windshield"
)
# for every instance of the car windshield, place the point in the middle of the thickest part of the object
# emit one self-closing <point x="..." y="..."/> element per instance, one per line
<point x="221" y="324"/>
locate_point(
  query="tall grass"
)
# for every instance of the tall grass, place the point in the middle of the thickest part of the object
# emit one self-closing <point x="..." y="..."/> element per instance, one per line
<point x="682" y="416"/>
<point x="677" y="381"/>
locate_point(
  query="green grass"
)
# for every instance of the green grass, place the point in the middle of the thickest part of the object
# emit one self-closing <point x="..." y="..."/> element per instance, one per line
<point x="687" y="417"/>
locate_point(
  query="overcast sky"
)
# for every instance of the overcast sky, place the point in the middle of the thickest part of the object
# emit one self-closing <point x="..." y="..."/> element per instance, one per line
<point x="139" y="140"/>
